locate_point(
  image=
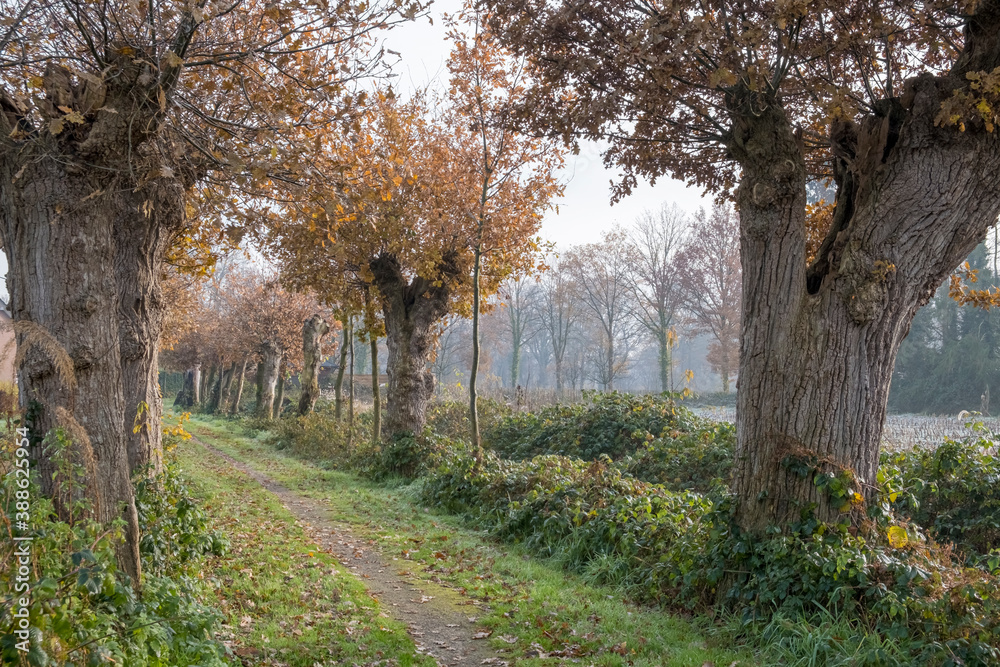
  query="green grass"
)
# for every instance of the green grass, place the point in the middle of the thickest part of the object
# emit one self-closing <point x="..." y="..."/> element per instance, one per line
<point x="533" y="608"/>
<point x="286" y="603"/>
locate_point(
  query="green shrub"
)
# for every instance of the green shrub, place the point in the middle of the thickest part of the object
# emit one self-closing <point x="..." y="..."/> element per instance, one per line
<point x="81" y="612"/>
<point x="609" y="424"/>
<point x="952" y="490"/>
<point x="588" y="515"/>
<point x="692" y="460"/>
<point x="683" y="549"/>
<point x="451" y="418"/>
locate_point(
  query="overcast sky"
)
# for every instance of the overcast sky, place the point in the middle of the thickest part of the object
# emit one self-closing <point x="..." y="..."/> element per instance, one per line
<point x="585" y="210"/>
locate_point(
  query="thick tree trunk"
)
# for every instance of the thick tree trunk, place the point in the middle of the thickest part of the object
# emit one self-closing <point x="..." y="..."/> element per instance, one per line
<point x="818" y="346"/>
<point x="186" y="396"/>
<point x="267" y="379"/>
<point x="312" y="354"/>
<point x="207" y="378"/>
<point x="143" y="231"/>
<point x="279" y="394"/>
<point x="59" y="241"/>
<point x="338" y="387"/>
<point x="207" y="382"/>
<point x="215" y="393"/>
<point x="225" y="388"/>
<point x="376" y="395"/>
<point x="410" y="310"/>
<point x="234" y="407"/>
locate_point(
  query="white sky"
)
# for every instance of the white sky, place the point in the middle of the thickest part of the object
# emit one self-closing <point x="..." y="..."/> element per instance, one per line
<point x="585" y="210"/>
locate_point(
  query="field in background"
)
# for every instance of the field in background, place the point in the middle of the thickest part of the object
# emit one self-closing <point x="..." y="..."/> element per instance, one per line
<point x="901" y="431"/>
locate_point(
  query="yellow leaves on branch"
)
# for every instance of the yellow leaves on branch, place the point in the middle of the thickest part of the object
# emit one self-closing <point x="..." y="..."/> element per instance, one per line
<point x="819" y="217"/>
<point x="975" y="106"/>
<point x="967" y="296"/>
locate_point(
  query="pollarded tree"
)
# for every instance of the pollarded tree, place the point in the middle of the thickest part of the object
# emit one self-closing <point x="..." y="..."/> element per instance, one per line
<point x="710" y="282"/>
<point x="381" y="226"/>
<point x="109" y="112"/>
<point x="393" y="222"/>
<point x="268" y="319"/>
<point x="893" y="100"/>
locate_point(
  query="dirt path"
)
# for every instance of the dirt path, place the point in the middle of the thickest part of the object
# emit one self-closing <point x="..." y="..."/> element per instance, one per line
<point x="441" y="622"/>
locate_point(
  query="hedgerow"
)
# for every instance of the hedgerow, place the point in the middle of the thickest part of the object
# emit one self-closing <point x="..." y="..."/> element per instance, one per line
<point x="610" y="424"/>
<point x="683" y="549"/>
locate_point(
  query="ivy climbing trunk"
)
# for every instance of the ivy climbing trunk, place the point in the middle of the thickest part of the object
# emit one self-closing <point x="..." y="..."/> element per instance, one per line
<point x="186" y="397"/>
<point x="819" y="342"/>
<point x="312" y="354"/>
<point x="410" y="310"/>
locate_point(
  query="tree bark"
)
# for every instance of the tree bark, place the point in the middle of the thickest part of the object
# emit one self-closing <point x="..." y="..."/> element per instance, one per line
<point x="279" y="394"/>
<point x="215" y="392"/>
<point x="59" y="241"/>
<point x="819" y="345"/>
<point x="338" y="388"/>
<point x="376" y="395"/>
<point x="207" y="382"/>
<point x="186" y="396"/>
<point x="477" y="441"/>
<point x="234" y="407"/>
<point x="350" y="393"/>
<point x="410" y="310"/>
<point x="267" y="379"/>
<point x="312" y="354"/>
<point x="225" y="388"/>
<point x="143" y="231"/>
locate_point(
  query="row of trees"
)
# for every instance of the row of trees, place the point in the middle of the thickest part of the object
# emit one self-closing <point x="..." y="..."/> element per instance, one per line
<point x="123" y="124"/>
<point x="583" y="320"/>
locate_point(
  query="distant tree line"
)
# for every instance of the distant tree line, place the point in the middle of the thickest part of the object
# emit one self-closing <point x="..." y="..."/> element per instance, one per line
<point x="603" y="312"/>
<point x="950" y="361"/>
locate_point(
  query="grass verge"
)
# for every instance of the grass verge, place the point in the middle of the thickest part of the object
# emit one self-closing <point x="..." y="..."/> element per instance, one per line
<point x="286" y="602"/>
<point x="537" y="614"/>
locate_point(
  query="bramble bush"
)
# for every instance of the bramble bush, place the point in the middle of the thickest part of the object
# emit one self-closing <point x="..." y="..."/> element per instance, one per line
<point x="953" y="490"/>
<point x="611" y="424"/>
<point x="682" y="549"/>
<point x="450" y="419"/>
<point x="631" y="491"/>
<point x="81" y="611"/>
<point x="697" y="459"/>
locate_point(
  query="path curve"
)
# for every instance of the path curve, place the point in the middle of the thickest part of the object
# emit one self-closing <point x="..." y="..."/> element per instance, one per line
<point x="441" y="627"/>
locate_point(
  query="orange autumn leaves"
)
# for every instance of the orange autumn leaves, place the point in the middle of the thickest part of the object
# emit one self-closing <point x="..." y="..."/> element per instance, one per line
<point x="425" y="180"/>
